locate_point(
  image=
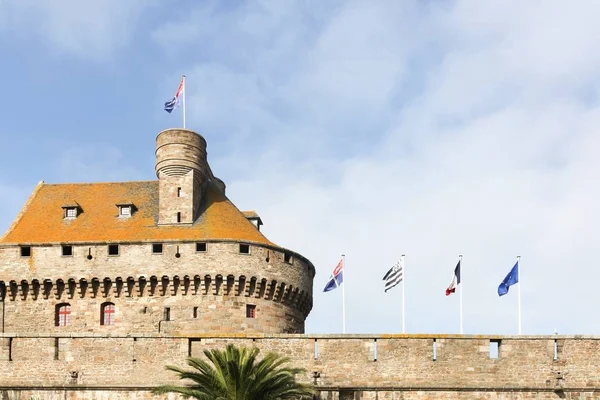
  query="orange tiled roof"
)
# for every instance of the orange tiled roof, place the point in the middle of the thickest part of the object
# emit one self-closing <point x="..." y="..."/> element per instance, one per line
<point x="41" y="220"/>
<point x="250" y="214"/>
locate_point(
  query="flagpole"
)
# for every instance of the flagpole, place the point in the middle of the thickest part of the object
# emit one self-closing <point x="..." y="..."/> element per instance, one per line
<point x="403" y="297"/>
<point x="519" y="289"/>
<point x="344" y="294"/>
<point x="460" y="290"/>
<point x="183" y="78"/>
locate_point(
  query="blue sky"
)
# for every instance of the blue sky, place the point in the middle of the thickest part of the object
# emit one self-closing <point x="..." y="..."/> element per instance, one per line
<point x="370" y="128"/>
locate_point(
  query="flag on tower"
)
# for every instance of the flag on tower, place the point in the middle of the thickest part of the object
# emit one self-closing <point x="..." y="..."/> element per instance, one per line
<point x="511" y="279"/>
<point x="174" y="102"/>
<point x="393" y="276"/>
<point x="455" y="280"/>
<point x="336" y="278"/>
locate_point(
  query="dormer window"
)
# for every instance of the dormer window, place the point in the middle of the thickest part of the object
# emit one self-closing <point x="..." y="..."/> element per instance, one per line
<point x="71" y="211"/>
<point x="126" y="210"/>
<point x="253" y="217"/>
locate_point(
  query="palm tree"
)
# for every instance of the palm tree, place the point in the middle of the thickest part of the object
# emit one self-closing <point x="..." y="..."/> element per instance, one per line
<point x="236" y="374"/>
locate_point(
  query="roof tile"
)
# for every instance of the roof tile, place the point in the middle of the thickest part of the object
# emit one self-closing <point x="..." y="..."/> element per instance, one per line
<point x="41" y="220"/>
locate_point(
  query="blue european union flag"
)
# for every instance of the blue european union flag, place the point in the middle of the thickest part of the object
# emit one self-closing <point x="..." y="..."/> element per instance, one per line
<point x="511" y="279"/>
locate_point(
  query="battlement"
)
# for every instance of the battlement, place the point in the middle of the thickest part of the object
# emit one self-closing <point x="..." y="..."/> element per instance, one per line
<point x="189" y="287"/>
<point x="371" y="366"/>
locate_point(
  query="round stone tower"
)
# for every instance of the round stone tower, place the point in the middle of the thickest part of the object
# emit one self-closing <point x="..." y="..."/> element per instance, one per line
<point x="125" y="263"/>
<point x="179" y="151"/>
<point x="183" y="173"/>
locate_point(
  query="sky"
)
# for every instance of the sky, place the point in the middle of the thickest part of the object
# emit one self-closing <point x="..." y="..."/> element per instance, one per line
<point x="366" y="128"/>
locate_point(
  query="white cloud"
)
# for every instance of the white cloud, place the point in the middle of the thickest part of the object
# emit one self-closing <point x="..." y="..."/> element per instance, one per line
<point x="429" y="129"/>
<point x="90" y="29"/>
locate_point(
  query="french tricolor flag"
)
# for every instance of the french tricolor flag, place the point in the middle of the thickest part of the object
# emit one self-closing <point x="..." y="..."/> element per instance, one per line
<point x="455" y="280"/>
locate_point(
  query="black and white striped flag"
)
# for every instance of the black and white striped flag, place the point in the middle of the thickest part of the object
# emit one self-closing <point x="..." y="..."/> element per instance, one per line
<point x="393" y="276"/>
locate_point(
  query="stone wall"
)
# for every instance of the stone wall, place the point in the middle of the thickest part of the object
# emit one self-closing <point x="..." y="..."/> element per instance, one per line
<point x="343" y="366"/>
<point x="205" y="291"/>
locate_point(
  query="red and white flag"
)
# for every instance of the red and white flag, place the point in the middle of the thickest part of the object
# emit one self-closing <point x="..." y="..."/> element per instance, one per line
<point x="455" y="280"/>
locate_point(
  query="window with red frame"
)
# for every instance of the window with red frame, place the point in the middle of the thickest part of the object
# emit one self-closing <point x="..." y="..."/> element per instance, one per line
<point x="108" y="314"/>
<point x="250" y="311"/>
<point x="63" y="314"/>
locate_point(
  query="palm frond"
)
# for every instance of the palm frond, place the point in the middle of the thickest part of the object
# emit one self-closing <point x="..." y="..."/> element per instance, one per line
<point x="236" y="373"/>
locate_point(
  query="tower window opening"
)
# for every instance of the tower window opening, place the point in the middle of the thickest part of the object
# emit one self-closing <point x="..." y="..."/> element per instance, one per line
<point x="287" y="257"/>
<point x="67" y="250"/>
<point x="555" y="350"/>
<point x="250" y="311"/>
<point x="178" y="217"/>
<point x="201" y="247"/>
<point x="195" y="312"/>
<point x="157" y="248"/>
<point x="25" y="251"/>
<point x="107" y="314"/>
<point x="178" y="192"/>
<point x="434" y="358"/>
<point x="495" y="349"/>
<point x="167" y="314"/>
<point x="244" y="248"/>
<point x="374" y="349"/>
<point x="63" y="314"/>
<point x="113" y="249"/>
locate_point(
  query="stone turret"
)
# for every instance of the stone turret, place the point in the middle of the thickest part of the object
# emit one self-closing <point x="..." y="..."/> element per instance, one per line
<point x="183" y="173"/>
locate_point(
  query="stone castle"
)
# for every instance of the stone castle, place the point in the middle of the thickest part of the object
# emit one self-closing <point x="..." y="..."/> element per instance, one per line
<point x="103" y="284"/>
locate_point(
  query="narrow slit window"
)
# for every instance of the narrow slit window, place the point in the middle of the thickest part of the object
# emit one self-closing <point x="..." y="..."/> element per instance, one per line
<point x="113" y="249"/>
<point x="555" y="350"/>
<point x="250" y="311"/>
<point x="178" y="192"/>
<point x="25" y="251"/>
<point x="195" y="312"/>
<point x="316" y="350"/>
<point x="201" y="247"/>
<point x="178" y="217"/>
<point x="167" y="314"/>
<point x="495" y="349"/>
<point x="244" y="248"/>
<point x="157" y="248"/>
<point x="56" y="348"/>
<point x="67" y="250"/>
<point x="374" y="349"/>
<point x="434" y="356"/>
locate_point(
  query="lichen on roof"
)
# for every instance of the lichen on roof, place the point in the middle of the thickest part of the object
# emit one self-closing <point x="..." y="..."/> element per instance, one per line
<point x="41" y="220"/>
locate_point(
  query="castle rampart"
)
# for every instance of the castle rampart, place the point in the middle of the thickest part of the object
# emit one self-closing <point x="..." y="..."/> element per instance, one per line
<point x="204" y="291"/>
<point x="86" y="366"/>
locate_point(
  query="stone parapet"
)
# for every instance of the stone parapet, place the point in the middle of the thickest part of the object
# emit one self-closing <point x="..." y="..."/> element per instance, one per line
<point x="368" y="366"/>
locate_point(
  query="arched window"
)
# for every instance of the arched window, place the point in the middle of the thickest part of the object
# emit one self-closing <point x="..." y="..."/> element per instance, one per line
<point x="63" y="314"/>
<point x="107" y="314"/>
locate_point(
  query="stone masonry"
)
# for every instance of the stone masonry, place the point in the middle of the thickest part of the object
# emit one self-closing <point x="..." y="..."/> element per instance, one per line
<point x="84" y="366"/>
